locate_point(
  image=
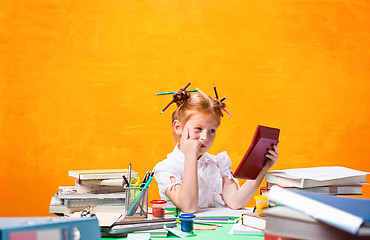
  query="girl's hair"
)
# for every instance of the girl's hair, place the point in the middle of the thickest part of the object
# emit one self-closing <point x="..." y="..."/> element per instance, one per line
<point x="188" y="104"/>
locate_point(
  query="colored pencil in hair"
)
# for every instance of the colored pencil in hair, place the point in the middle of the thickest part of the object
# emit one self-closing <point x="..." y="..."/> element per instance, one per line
<point x="168" y="93"/>
<point x="214" y="87"/>
<point x="182" y="89"/>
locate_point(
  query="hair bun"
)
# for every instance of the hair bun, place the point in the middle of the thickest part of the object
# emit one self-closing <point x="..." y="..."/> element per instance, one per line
<point x="180" y="97"/>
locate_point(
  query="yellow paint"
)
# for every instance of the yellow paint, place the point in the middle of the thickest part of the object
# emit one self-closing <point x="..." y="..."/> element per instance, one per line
<point x="77" y="81"/>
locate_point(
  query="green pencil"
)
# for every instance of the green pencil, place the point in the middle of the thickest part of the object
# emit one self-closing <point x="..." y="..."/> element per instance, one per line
<point x="167" y="93"/>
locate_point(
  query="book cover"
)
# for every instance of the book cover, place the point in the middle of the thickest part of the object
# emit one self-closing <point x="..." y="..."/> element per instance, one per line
<point x="347" y="213"/>
<point x="254" y="159"/>
<point x="34" y="228"/>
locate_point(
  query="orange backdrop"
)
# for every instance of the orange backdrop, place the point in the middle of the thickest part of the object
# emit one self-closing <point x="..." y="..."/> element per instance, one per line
<point x="77" y="81"/>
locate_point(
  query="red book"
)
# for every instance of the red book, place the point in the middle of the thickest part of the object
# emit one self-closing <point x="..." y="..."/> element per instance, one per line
<point x="269" y="236"/>
<point x="254" y="159"/>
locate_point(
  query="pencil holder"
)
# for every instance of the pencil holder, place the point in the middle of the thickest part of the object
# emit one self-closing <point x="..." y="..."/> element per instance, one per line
<point x="136" y="202"/>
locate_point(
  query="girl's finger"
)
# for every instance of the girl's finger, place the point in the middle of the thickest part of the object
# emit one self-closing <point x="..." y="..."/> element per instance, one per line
<point x="272" y="152"/>
<point x="272" y="157"/>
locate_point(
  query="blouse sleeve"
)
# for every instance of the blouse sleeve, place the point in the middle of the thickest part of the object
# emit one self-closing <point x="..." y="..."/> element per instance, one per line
<point x="163" y="172"/>
<point x="224" y="163"/>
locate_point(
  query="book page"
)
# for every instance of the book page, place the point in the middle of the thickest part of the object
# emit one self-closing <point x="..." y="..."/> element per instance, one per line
<point x="318" y="173"/>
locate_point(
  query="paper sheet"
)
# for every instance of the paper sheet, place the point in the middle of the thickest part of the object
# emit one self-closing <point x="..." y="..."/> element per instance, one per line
<point x="222" y="212"/>
<point x="318" y="173"/>
<point x="176" y="232"/>
<point x="138" y="236"/>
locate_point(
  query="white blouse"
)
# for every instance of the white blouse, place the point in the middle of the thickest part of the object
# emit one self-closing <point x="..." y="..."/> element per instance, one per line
<point x="211" y="169"/>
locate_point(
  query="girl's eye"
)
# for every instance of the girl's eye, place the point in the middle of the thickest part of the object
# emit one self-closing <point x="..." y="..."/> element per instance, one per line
<point x="212" y="131"/>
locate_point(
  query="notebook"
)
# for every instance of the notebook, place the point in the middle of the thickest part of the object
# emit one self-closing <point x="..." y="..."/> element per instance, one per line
<point x="254" y="159"/>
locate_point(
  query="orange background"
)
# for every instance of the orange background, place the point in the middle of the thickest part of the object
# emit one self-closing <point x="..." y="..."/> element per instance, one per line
<point x="77" y="80"/>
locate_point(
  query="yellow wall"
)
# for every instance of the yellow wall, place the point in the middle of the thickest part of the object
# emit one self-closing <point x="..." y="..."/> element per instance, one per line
<point x="77" y="80"/>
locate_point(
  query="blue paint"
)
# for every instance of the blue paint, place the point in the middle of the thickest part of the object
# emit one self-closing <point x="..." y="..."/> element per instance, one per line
<point x="187" y="222"/>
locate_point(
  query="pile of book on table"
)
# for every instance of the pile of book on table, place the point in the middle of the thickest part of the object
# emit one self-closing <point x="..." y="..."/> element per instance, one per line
<point x="326" y="180"/>
<point x="101" y="189"/>
<point x="303" y="214"/>
<point x="102" y="193"/>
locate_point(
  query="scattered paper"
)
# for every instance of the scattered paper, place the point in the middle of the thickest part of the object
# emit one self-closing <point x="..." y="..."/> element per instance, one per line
<point x="138" y="236"/>
<point x="176" y="232"/>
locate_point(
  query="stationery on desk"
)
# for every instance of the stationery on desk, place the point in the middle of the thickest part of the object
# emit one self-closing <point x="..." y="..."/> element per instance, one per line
<point x="99" y="188"/>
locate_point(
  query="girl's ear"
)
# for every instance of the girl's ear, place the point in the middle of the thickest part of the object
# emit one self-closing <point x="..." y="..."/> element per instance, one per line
<point x="177" y="127"/>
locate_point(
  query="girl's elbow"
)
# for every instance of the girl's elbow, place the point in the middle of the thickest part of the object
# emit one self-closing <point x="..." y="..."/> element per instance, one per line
<point x="189" y="209"/>
<point x="234" y="206"/>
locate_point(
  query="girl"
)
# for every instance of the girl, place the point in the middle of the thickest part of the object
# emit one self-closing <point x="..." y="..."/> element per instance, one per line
<point x="190" y="177"/>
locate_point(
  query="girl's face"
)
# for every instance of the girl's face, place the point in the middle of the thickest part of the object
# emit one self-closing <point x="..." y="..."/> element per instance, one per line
<point x="202" y="127"/>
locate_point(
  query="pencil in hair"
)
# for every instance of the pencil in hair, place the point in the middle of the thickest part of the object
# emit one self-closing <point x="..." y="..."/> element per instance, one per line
<point x="214" y="87"/>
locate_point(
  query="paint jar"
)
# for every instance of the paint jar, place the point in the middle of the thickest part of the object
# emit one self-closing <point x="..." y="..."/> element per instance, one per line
<point x="262" y="203"/>
<point x="158" y="208"/>
<point x="187" y="222"/>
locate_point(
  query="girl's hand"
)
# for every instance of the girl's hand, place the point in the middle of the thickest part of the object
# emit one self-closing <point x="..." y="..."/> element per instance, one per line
<point x="189" y="146"/>
<point x="272" y="155"/>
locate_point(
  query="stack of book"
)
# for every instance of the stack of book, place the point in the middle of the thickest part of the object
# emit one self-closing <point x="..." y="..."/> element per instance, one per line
<point x="306" y="215"/>
<point x="101" y="189"/>
<point x="327" y="180"/>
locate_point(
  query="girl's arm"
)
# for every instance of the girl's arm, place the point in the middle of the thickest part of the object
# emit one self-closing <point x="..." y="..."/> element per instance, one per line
<point x="186" y="195"/>
<point x="237" y="198"/>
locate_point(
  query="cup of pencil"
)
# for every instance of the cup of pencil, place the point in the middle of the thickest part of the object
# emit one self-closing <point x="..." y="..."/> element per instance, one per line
<point x="136" y="202"/>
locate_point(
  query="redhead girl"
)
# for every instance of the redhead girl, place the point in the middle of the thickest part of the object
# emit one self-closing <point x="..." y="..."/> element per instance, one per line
<point x="190" y="177"/>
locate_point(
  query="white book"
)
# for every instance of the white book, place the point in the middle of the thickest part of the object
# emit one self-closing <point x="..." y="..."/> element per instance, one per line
<point x="101" y="174"/>
<point x="315" y="176"/>
<point x="252" y="226"/>
<point x="70" y="192"/>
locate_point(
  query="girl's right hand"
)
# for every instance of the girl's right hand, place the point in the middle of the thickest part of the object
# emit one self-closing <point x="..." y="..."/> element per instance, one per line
<point x="189" y="146"/>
